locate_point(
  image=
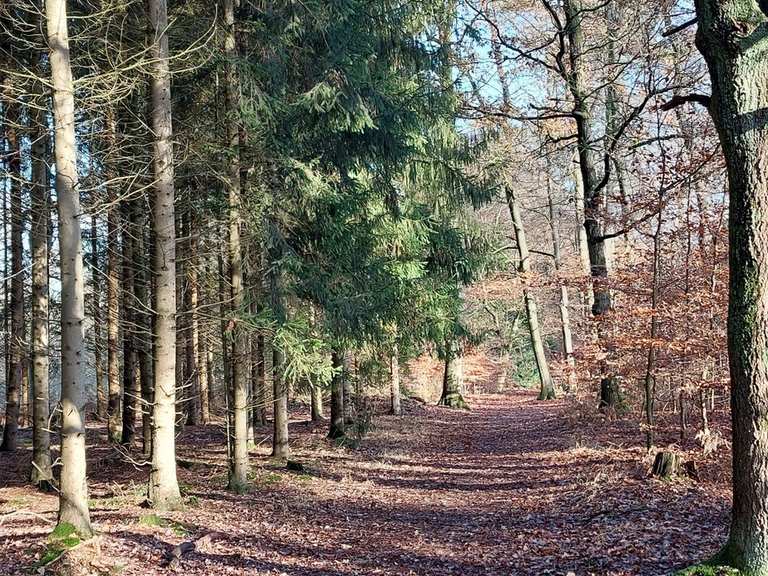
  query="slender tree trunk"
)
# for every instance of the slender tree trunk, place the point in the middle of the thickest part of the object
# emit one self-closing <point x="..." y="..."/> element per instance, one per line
<point x="565" y="321"/>
<point x="73" y="489"/>
<point x="650" y="371"/>
<point x="131" y="392"/>
<point x="163" y="484"/>
<point x="280" y="448"/>
<point x="238" y="475"/>
<point x="16" y="327"/>
<point x="394" y="381"/>
<point x="101" y="393"/>
<point x="144" y="330"/>
<point x="203" y="372"/>
<point x="547" y="391"/>
<point x="731" y="36"/>
<point x="192" y="350"/>
<point x="113" y="280"/>
<point x="337" y="425"/>
<point x="594" y="190"/>
<point x="41" y="473"/>
<point x="226" y="344"/>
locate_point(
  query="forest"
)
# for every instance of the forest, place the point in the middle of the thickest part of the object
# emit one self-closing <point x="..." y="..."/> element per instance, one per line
<point x="384" y="287"/>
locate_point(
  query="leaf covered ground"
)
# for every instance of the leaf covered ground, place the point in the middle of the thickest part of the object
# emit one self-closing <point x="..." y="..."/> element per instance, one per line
<point x="513" y="486"/>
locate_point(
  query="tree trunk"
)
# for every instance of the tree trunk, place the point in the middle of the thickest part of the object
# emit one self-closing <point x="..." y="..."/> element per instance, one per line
<point x="16" y="327"/>
<point x="547" y="390"/>
<point x="594" y="190"/>
<point x="452" y="378"/>
<point x="41" y="473"/>
<point x="101" y="393"/>
<point x="113" y="280"/>
<point x="394" y="382"/>
<point x="73" y="488"/>
<point x="163" y="485"/>
<point x="280" y="448"/>
<point x="131" y="391"/>
<point x="565" y="321"/>
<point x="192" y="349"/>
<point x="238" y="474"/>
<point x="144" y="328"/>
<point x="337" y="426"/>
<point x="731" y="36"/>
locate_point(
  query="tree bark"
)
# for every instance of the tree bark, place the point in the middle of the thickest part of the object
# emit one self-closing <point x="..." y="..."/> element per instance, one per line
<point x="101" y="393"/>
<point x="73" y="488"/>
<point x="114" y="409"/>
<point x="192" y="349"/>
<point x="144" y="329"/>
<point x="594" y="189"/>
<point x="238" y="475"/>
<point x="131" y="391"/>
<point x="16" y="325"/>
<point x="41" y="473"/>
<point x="452" y="378"/>
<point x="163" y="485"/>
<point x="547" y="389"/>
<point x="731" y="36"/>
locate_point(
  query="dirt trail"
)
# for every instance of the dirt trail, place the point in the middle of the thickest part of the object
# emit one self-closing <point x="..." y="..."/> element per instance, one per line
<point x="507" y="488"/>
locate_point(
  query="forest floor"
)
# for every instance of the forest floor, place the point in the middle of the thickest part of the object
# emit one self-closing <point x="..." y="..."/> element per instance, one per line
<point x="512" y="487"/>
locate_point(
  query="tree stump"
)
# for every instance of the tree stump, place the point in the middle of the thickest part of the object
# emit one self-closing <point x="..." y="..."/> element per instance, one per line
<point x="666" y="465"/>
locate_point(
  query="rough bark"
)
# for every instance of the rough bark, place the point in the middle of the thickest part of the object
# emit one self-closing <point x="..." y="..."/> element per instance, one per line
<point x="16" y="324"/>
<point x="73" y="489"/>
<point x="163" y="485"/>
<point x="41" y="473"/>
<point x="732" y="36"/>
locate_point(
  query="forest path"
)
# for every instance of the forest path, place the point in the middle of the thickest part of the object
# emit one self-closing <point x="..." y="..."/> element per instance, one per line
<point x="508" y="488"/>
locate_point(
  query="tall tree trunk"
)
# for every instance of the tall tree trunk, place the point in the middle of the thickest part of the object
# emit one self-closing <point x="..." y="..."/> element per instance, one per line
<point x="565" y="321"/>
<point x="144" y="329"/>
<point x="131" y="393"/>
<point x="73" y="488"/>
<point x="113" y="281"/>
<point x="731" y="36"/>
<point x="337" y="425"/>
<point x="41" y="473"/>
<point x="191" y="371"/>
<point x="594" y="188"/>
<point x="16" y="327"/>
<point x="650" y="369"/>
<point x="280" y="448"/>
<point x="394" y="381"/>
<point x="163" y="484"/>
<point x="547" y="391"/>
<point x="238" y="474"/>
<point x="101" y="393"/>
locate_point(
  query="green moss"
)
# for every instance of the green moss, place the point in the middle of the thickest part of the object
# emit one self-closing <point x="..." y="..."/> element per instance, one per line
<point x="154" y="520"/>
<point x="708" y="570"/>
<point x="64" y="537"/>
